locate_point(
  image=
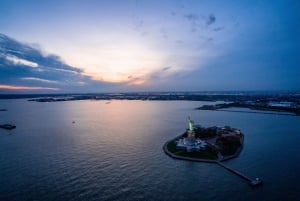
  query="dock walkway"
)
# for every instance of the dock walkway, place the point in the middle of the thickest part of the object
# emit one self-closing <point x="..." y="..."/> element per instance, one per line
<point x="252" y="182"/>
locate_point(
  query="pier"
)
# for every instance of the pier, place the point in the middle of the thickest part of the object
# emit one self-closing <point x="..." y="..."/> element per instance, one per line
<point x="212" y="155"/>
<point x="252" y="182"/>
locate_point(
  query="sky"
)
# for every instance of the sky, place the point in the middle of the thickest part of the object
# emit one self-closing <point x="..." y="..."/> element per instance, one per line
<point x="157" y="45"/>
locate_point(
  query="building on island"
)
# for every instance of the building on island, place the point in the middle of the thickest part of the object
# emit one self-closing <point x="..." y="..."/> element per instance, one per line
<point x="191" y="143"/>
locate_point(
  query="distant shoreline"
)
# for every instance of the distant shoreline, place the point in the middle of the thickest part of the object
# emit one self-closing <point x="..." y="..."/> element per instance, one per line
<point x="260" y="106"/>
<point x="258" y="112"/>
<point x="275" y="102"/>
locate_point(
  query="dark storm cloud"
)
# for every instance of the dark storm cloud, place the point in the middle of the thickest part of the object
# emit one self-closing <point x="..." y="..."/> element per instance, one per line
<point x="21" y="64"/>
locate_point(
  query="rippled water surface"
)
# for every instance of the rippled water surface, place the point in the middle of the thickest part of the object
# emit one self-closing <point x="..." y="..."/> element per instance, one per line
<point x="99" y="150"/>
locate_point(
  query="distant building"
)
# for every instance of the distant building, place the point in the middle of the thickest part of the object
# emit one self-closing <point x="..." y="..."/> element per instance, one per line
<point x="281" y="104"/>
<point x="227" y="131"/>
<point x="190" y="144"/>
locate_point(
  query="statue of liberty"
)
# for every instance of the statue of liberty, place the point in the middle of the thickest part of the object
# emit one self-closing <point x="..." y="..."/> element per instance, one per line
<point x="191" y="132"/>
<point x="191" y="125"/>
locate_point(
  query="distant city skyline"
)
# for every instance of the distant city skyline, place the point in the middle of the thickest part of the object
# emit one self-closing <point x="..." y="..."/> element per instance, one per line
<point x="75" y="46"/>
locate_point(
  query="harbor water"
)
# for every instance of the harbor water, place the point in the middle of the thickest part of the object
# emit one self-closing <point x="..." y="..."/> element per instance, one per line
<point x="99" y="150"/>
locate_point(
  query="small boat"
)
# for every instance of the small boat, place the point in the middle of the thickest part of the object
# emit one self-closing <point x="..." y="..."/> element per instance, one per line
<point x="7" y="126"/>
<point x="257" y="181"/>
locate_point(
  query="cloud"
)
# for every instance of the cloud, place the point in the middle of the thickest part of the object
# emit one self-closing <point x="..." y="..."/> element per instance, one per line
<point x="139" y="24"/>
<point x="144" y="33"/>
<point x="201" y="21"/>
<point x="39" y="80"/>
<point x="207" y="39"/>
<point x="14" y="87"/>
<point x="194" y="21"/>
<point x="191" y="17"/>
<point x="149" y="77"/>
<point x="135" y="80"/>
<point x="218" y="29"/>
<point x="179" y="41"/>
<point x="72" y="71"/>
<point x="159" y="74"/>
<point x="23" y="67"/>
<point x="210" y="19"/>
<point x="164" y="33"/>
<point x="17" y="61"/>
<point x="82" y="83"/>
<point x="166" y="68"/>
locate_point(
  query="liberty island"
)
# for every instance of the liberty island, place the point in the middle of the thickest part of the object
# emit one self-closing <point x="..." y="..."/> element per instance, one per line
<point x="212" y="144"/>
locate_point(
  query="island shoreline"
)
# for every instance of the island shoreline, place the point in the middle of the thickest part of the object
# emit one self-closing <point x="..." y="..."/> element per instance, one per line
<point x="252" y="182"/>
<point x="226" y="158"/>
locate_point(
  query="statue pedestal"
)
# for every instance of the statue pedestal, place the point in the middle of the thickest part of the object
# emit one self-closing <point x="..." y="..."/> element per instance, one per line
<point x="191" y="134"/>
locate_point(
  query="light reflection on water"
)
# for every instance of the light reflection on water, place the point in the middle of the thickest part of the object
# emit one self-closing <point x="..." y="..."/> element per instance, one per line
<point x="114" y="152"/>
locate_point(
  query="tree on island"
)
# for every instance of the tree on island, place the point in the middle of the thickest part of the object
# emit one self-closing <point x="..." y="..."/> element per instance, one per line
<point x="228" y="145"/>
